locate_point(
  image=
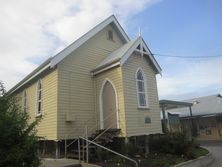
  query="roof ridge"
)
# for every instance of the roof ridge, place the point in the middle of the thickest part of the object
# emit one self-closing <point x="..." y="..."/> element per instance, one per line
<point x="203" y="97"/>
<point x="54" y="60"/>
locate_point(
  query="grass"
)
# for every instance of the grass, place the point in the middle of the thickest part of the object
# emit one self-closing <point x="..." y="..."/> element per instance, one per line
<point x="200" y="152"/>
<point x="168" y="160"/>
<point x="161" y="160"/>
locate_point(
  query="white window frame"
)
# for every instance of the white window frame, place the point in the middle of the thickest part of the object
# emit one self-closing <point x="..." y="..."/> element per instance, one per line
<point x="38" y="113"/>
<point x="24" y="101"/>
<point x="145" y="91"/>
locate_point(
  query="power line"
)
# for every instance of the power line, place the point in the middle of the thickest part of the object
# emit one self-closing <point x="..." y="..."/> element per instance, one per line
<point x="190" y="57"/>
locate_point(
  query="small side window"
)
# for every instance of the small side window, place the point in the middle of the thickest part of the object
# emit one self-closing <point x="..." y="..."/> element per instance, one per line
<point x="110" y="35"/>
<point x="24" y="101"/>
<point x="39" y="98"/>
<point x="141" y="89"/>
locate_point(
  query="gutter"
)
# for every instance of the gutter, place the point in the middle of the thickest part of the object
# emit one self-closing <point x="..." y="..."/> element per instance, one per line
<point x="32" y="75"/>
<point x="105" y="67"/>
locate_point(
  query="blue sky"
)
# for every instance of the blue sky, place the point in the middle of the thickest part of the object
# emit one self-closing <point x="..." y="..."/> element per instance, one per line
<point x="183" y="28"/>
<point x="33" y="31"/>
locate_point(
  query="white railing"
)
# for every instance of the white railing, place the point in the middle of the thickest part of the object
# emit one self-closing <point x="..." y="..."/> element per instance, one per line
<point x="107" y="149"/>
<point x="86" y="133"/>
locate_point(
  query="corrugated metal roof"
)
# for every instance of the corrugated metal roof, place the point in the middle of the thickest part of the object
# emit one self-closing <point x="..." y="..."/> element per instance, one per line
<point x="117" y="54"/>
<point x="202" y="106"/>
<point x="66" y="51"/>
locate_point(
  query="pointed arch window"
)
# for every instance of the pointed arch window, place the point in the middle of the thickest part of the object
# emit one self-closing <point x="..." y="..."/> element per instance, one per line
<point x="24" y="101"/>
<point x="141" y="89"/>
<point x="39" y="98"/>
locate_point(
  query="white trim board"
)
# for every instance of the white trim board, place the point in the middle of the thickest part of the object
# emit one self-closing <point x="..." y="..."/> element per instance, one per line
<point x="133" y="48"/>
<point x="65" y="52"/>
<point x="101" y="103"/>
<point x="128" y="53"/>
<point x="60" y="56"/>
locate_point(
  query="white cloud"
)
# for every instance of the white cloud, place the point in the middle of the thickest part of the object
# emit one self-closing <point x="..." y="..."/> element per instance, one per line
<point x="35" y="30"/>
<point x="194" y="79"/>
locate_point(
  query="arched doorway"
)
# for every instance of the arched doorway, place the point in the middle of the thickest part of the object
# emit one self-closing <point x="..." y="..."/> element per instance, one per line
<point x="108" y="106"/>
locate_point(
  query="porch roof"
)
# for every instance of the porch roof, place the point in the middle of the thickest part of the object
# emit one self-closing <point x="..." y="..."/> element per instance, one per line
<point x="170" y="104"/>
<point x="120" y="55"/>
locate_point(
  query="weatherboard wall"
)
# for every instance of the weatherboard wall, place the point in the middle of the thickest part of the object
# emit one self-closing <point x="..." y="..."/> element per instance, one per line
<point x="115" y="77"/>
<point x="76" y="90"/>
<point x="47" y="128"/>
<point x="135" y="117"/>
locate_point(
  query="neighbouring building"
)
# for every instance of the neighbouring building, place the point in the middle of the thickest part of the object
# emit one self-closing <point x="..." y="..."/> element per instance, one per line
<point x="103" y="80"/>
<point x="206" y="117"/>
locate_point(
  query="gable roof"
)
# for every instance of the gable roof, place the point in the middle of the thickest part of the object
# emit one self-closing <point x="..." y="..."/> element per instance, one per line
<point x="202" y="106"/>
<point x="119" y="56"/>
<point x="52" y="62"/>
<point x="112" y="19"/>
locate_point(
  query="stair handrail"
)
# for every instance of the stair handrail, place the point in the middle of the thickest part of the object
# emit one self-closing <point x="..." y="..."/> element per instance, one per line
<point x="84" y="134"/>
<point x="104" y="119"/>
<point x="90" y="129"/>
<point x="114" y="152"/>
<point x="99" y="135"/>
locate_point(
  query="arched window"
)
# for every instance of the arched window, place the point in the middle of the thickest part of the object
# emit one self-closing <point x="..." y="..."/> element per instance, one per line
<point x="24" y="101"/>
<point x="141" y="89"/>
<point x="39" y="98"/>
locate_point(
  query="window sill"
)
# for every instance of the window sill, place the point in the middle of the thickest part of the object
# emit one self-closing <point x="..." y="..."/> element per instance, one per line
<point x="143" y="108"/>
<point x="38" y="115"/>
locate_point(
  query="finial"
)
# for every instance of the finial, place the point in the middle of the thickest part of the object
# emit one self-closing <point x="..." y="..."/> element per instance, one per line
<point x="139" y="31"/>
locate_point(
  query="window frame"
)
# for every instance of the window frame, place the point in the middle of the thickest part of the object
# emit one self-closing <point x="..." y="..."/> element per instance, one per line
<point x="38" y="112"/>
<point x="24" y="100"/>
<point x="138" y="92"/>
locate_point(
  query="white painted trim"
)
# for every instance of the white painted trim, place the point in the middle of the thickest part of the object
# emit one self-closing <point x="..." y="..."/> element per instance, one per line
<point x="24" y="100"/>
<point x="151" y="57"/>
<point x="145" y="87"/>
<point x="140" y="51"/>
<point x="37" y="100"/>
<point x="61" y="55"/>
<point x="101" y="103"/>
<point x="65" y="52"/>
<point x="106" y="68"/>
<point x="134" y="48"/>
<point x="33" y="76"/>
<point x="129" y="52"/>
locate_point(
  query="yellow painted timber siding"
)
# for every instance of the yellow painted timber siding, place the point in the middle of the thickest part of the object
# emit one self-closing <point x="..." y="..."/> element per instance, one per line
<point x="135" y="117"/>
<point x="115" y="76"/>
<point x="76" y="92"/>
<point x="48" y="126"/>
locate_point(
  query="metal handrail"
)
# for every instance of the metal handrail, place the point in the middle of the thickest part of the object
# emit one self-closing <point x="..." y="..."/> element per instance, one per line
<point x="104" y="119"/>
<point x="66" y="146"/>
<point x="99" y="135"/>
<point x="114" y="152"/>
<point x="90" y="129"/>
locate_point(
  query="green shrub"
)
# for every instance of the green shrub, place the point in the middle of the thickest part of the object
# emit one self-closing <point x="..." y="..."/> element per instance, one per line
<point x="19" y="143"/>
<point x="129" y="149"/>
<point x="171" y="143"/>
<point x="101" y="154"/>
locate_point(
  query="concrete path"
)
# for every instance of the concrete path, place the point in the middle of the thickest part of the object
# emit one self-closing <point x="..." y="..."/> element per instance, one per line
<point x="59" y="162"/>
<point x="216" y="149"/>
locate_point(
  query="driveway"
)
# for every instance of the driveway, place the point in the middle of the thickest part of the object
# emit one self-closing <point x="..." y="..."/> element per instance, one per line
<point x="216" y="149"/>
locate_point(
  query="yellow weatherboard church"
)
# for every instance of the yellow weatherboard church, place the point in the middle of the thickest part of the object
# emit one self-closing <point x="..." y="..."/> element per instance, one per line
<point x="103" y="80"/>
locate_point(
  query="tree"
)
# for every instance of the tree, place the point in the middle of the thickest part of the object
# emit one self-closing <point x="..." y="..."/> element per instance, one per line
<point x="18" y="139"/>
